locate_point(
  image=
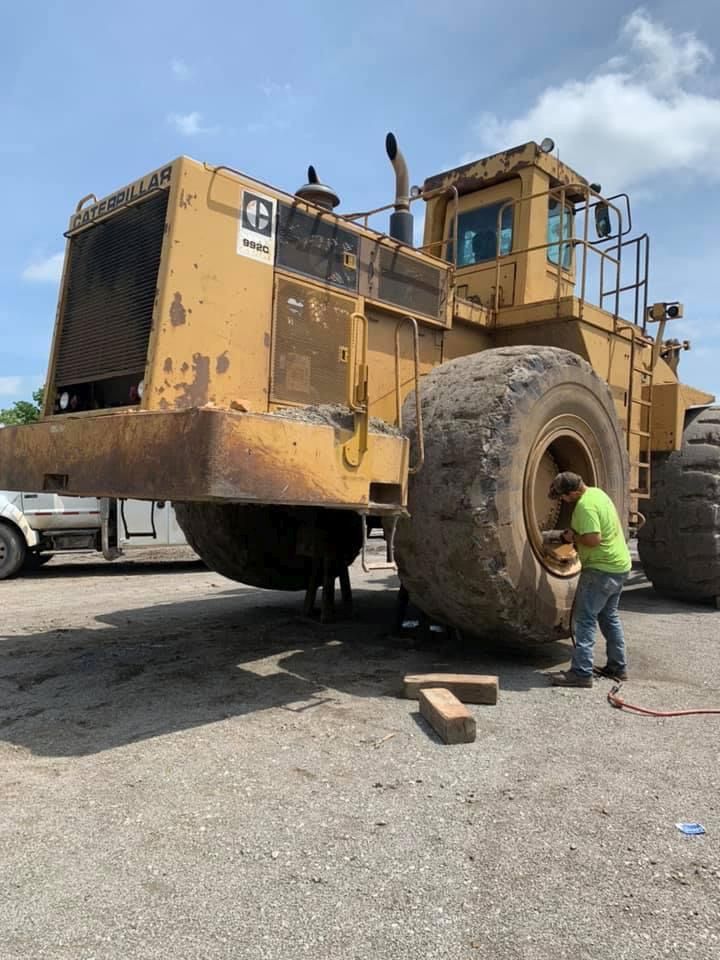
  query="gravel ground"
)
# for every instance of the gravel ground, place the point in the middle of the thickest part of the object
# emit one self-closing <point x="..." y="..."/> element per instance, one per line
<point x="191" y="770"/>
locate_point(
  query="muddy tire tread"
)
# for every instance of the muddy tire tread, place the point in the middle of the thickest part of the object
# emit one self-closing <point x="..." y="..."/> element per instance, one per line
<point x="471" y="424"/>
<point x="683" y="526"/>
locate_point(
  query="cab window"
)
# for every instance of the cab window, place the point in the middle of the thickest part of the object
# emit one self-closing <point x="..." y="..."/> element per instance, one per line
<point x="477" y="234"/>
<point x="554" y="239"/>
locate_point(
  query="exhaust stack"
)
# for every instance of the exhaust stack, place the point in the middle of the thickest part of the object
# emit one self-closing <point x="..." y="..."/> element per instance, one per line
<point x="401" y="221"/>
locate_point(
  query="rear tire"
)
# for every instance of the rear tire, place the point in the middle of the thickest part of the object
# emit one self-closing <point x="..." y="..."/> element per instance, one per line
<point x="498" y="426"/>
<point x="13" y="550"/>
<point x="264" y="546"/>
<point x="679" y="545"/>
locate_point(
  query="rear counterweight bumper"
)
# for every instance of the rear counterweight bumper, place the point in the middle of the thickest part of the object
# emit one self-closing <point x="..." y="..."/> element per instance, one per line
<point x="202" y="454"/>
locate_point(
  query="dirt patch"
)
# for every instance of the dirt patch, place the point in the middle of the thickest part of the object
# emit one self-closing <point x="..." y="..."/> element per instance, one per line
<point x="253" y="789"/>
<point x="336" y="416"/>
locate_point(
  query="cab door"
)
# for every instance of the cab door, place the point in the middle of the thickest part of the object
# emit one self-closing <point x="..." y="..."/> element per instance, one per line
<point x="486" y="238"/>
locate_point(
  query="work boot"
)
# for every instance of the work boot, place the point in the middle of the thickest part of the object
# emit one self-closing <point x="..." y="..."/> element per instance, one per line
<point x="568" y="678"/>
<point x="611" y="672"/>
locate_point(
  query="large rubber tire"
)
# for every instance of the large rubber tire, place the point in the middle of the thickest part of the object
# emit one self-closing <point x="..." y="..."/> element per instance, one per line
<point x="679" y="545"/>
<point x="498" y="425"/>
<point x="262" y="546"/>
<point x="12" y="551"/>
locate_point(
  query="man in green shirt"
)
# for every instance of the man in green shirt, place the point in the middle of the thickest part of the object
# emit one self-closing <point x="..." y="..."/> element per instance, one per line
<point x="600" y="542"/>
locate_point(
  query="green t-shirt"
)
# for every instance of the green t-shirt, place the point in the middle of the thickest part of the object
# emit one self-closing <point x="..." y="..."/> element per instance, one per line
<point x="595" y="513"/>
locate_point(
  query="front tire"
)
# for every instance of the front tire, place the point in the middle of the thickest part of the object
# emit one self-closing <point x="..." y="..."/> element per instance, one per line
<point x="498" y="426"/>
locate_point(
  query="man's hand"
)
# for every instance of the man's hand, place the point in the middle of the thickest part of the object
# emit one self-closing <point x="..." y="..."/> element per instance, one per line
<point x="568" y="536"/>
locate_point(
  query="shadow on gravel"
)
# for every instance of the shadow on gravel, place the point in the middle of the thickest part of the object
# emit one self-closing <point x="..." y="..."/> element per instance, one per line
<point x="640" y="597"/>
<point x="644" y="599"/>
<point x="123" y="568"/>
<point x="146" y="672"/>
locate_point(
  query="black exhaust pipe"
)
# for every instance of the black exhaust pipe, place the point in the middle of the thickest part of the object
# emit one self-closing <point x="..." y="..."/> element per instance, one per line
<point x="401" y="221"/>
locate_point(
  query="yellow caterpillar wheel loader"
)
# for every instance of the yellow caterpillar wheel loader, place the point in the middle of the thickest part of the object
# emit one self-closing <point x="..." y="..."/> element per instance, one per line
<point x="283" y="373"/>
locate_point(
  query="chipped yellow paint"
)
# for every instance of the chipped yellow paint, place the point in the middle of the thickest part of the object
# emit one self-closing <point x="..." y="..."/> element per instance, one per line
<point x="213" y="314"/>
<point x="209" y="361"/>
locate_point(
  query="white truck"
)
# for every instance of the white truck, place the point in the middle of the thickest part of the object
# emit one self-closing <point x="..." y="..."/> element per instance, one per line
<point x="34" y="526"/>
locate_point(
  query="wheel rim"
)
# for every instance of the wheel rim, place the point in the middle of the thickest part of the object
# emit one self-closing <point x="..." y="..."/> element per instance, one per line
<point x="566" y="443"/>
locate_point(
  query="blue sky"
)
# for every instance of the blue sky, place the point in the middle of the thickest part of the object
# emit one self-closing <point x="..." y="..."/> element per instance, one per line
<point x="94" y="95"/>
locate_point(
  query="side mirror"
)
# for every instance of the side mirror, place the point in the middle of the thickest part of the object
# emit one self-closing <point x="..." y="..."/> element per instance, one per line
<point x="603" y="221"/>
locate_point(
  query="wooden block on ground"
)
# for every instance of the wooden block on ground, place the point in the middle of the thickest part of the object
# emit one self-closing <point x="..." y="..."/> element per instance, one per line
<point x="467" y="687"/>
<point x="449" y="718"/>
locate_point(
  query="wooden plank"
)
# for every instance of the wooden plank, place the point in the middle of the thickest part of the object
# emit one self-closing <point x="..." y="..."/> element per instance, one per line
<point x="449" y="718"/>
<point x="467" y="687"/>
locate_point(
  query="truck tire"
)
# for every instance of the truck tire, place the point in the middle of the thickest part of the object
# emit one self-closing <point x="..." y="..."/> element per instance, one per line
<point x="12" y="551"/>
<point x="498" y="425"/>
<point x="264" y="546"/>
<point x="679" y="545"/>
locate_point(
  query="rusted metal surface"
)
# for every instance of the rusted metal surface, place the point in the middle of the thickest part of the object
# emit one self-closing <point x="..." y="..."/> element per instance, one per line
<point x="195" y="391"/>
<point x="198" y="455"/>
<point x="482" y="173"/>
<point x="178" y="314"/>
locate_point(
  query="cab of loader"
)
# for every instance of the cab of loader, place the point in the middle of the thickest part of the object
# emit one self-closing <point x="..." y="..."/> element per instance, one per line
<point x="521" y="227"/>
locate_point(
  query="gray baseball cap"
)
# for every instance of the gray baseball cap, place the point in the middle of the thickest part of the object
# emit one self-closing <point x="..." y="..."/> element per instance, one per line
<point x="565" y="482"/>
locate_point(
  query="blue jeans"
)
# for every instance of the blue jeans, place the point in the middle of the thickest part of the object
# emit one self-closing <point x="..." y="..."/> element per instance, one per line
<point x="596" y="602"/>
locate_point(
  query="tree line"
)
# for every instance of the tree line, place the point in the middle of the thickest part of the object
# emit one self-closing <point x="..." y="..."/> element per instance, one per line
<point x="23" y="411"/>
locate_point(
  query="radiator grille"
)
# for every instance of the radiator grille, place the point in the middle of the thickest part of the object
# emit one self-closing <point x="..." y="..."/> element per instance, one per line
<point x="109" y="295"/>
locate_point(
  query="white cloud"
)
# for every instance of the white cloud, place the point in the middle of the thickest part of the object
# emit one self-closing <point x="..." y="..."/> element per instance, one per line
<point x="45" y="271"/>
<point x="663" y="59"/>
<point x="189" y="124"/>
<point x="637" y="116"/>
<point x="9" y="386"/>
<point x="180" y="68"/>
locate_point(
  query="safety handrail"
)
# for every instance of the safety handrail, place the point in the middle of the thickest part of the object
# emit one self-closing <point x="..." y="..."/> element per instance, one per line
<point x="561" y="193"/>
<point x="357" y="369"/>
<point x="357" y="388"/>
<point x="398" y="399"/>
<point x="642" y="269"/>
<point x="426" y="195"/>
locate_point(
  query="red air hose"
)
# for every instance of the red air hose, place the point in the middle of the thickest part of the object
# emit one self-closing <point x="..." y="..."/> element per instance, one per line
<point x="617" y="701"/>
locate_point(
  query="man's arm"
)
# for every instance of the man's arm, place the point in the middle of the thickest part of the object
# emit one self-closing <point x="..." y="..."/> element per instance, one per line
<point x="586" y="539"/>
<point x="588" y="523"/>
